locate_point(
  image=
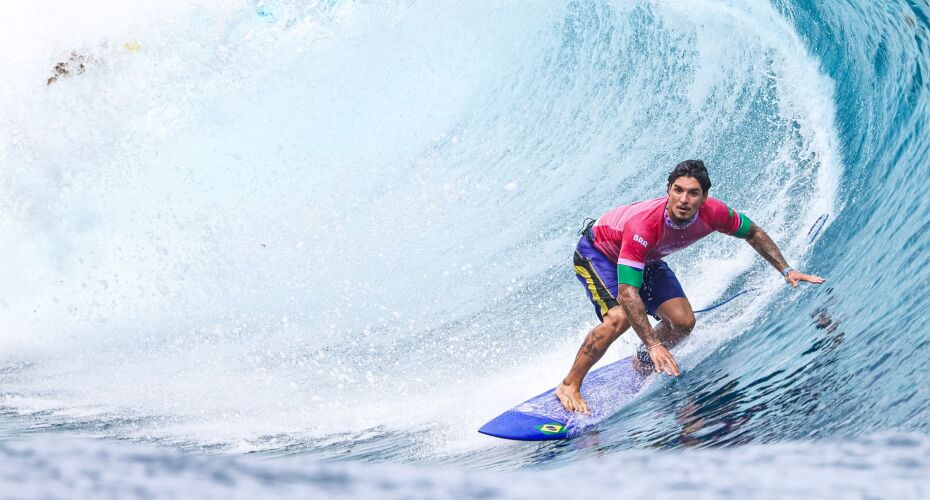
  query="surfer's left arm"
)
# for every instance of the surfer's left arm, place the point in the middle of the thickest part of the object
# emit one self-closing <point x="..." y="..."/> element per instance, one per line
<point x="760" y="241"/>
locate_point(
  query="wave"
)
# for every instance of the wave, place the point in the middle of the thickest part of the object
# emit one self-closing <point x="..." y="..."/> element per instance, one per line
<point x="312" y="228"/>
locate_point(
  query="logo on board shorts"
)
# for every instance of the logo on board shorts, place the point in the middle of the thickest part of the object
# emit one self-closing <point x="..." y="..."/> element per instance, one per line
<point x="639" y="239"/>
<point x="553" y="428"/>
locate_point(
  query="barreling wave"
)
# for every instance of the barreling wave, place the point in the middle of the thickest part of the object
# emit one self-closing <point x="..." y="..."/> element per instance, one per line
<point x="345" y="228"/>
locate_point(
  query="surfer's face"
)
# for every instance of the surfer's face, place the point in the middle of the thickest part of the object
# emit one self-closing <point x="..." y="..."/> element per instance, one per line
<point x="685" y="197"/>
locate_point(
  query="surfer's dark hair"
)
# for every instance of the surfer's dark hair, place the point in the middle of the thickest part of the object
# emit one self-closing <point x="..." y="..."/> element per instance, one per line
<point x="691" y="168"/>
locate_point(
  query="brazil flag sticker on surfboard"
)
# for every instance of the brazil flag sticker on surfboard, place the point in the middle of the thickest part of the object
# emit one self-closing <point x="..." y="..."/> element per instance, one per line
<point x="525" y="427"/>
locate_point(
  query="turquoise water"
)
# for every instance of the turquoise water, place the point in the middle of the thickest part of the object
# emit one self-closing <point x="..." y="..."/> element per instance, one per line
<point x="343" y="230"/>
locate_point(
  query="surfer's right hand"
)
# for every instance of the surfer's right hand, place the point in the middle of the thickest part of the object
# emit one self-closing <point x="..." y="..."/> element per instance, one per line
<point x="663" y="360"/>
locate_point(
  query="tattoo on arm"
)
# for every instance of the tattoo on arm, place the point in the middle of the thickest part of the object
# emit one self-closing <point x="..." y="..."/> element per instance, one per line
<point x="760" y="241"/>
<point x="636" y="313"/>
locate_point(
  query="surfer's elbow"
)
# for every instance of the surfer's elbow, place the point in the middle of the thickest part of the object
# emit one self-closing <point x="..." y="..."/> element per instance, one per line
<point x="754" y="233"/>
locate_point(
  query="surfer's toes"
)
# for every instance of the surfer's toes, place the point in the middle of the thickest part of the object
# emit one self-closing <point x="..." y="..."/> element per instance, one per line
<point x="571" y="400"/>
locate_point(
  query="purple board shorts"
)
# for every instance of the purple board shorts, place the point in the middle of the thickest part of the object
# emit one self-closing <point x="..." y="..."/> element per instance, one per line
<point x="598" y="275"/>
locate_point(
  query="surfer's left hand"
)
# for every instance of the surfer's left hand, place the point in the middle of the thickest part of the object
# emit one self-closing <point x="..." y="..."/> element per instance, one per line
<point x="795" y="277"/>
<point x="663" y="360"/>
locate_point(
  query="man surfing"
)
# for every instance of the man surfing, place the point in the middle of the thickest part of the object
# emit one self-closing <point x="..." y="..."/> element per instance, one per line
<point x="619" y="262"/>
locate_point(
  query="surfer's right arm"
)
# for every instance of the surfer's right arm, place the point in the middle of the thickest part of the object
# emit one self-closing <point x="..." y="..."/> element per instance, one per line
<point x="631" y="263"/>
<point x="636" y="313"/>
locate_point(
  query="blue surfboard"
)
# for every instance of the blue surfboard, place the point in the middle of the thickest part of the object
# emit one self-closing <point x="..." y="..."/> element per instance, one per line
<point x="543" y="418"/>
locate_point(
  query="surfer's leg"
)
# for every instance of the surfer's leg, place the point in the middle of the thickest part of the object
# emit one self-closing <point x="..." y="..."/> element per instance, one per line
<point x="592" y="349"/>
<point x="665" y="300"/>
<point x="677" y="321"/>
<point x="598" y="275"/>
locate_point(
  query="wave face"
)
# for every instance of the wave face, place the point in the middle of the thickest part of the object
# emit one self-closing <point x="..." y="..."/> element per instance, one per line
<point x="344" y="229"/>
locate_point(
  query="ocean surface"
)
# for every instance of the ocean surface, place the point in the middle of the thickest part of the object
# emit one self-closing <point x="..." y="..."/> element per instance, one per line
<point x="308" y="248"/>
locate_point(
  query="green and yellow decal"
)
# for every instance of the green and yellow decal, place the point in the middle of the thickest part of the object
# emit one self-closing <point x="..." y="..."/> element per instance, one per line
<point x="551" y="428"/>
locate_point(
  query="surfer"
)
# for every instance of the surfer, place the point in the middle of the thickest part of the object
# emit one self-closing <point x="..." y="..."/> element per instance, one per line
<point x="619" y="262"/>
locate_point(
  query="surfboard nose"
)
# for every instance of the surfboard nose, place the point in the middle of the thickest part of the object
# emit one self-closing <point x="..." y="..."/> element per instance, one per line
<point x="525" y="427"/>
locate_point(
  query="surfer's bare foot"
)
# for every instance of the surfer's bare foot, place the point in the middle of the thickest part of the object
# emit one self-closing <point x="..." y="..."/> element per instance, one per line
<point x="570" y="396"/>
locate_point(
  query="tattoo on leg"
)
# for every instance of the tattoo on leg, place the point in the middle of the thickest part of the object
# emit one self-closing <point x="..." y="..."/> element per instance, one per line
<point x="590" y="347"/>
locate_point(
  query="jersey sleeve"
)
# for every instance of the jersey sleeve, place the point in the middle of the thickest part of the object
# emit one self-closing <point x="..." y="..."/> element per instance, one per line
<point x="726" y="220"/>
<point x="632" y="260"/>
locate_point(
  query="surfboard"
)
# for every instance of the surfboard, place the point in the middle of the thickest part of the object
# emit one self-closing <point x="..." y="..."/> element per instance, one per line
<point x="542" y="418"/>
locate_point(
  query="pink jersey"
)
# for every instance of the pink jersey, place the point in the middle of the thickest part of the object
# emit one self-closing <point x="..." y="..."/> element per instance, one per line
<point x="632" y="235"/>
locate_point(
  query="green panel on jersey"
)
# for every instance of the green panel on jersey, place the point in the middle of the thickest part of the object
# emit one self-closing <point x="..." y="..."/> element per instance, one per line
<point x="629" y="276"/>
<point x="744" y="224"/>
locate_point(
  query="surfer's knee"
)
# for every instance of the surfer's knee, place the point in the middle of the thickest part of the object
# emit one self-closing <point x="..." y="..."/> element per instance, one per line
<point x="615" y="321"/>
<point x="680" y="323"/>
<point x="683" y="323"/>
<point x="611" y="326"/>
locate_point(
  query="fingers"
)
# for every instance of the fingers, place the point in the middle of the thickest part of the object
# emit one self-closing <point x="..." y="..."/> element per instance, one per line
<point x="664" y="362"/>
<point x="664" y="368"/>
<point x="795" y="277"/>
<point x="672" y="367"/>
<point x="669" y="368"/>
